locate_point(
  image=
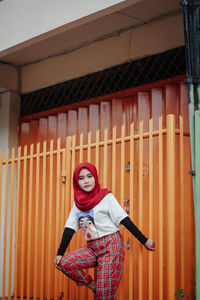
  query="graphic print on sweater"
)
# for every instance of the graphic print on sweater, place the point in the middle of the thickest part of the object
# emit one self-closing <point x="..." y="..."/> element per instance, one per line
<point x="86" y="223"/>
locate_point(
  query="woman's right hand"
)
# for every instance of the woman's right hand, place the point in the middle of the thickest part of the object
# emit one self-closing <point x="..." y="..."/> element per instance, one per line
<point x="57" y="260"/>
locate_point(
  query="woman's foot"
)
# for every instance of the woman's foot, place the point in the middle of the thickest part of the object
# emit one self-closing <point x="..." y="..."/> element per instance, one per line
<point x="92" y="286"/>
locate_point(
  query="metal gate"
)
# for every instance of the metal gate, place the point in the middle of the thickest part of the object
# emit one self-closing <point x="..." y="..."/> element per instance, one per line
<point x="146" y="170"/>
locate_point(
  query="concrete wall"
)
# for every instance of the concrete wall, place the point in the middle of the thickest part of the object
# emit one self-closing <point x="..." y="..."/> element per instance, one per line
<point x="9" y="78"/>
<point x="9" y="116"/>
<point x="25" y="20"/>
<point x="148" y="39"/>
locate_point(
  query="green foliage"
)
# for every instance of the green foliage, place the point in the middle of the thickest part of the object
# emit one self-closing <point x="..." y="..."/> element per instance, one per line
<point x="182" y="295"/>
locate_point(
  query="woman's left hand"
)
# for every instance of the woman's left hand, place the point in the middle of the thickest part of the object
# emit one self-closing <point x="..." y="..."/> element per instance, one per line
<point x="150" y="245"/>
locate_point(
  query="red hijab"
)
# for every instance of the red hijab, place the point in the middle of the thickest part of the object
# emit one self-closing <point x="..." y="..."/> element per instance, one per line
<point x="85" y="201"/>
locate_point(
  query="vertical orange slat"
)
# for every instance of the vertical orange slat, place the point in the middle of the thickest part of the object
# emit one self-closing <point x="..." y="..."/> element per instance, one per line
<point x="89" y="147"/>
<point x="150" y="207"/>
<point x="97" y="151"/>
<point x="67" y="203"/>
<point x="62" y="214"/>
<point x="11" y="222"/>
<point x="105" y="156"/>
<point x="114" y="160"/>
<point x="50" y="220"/>
<point x="131" y="209"/>
<point x="1" y="159"/>
<point x="182" y="201"/>
<point x="30" y="218"/>
<point x="1" y="204"/>
<point x="72" y="285"/>
<point x="57" y="215"/>
<point x="122" y="163"/>
<point x="140" y="277"/>
<point x="36" y="241"/>
<point x="122" y="194"/>
<point x="17" y="222"/>
<point x="160" y="183"/>
<point x="81" y="148"/>
<point x="5" y="226"/>
<point x="43" y="217"/>
<point x="171" y="204"/>
<point x="23" y="229"/>
<point x="89" y="293"/>
<point x="73" y="166"/>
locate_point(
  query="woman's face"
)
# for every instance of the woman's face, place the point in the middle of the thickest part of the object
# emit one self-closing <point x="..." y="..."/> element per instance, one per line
<point x="86" y="180"/>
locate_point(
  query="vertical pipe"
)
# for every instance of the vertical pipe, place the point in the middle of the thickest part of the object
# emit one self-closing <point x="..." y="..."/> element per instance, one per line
<point x="140" y="207"/>
<point x="160" y="209"/>
<point x="17" y="223"/>
<point x="171" y="278"/>
<point x="30" y="217"/>
<point x="11" y="222"/>
<point x="131" y="208"/>
<point x="197" y="201"/>
<point x="182" y="200"/>
<point x="43" y="214"/>
<point x="150" y="207"/>
<point x="5" y="226"/>
<point x="35" y="275"/>
<point x="191" y="18"/>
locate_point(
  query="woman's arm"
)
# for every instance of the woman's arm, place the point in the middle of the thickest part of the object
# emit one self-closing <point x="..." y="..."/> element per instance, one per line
<point x="66" y="238"/>
<point x="148" y="243"/>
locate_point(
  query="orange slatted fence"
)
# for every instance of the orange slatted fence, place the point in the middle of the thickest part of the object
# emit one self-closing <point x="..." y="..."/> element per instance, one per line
<point x="147" y="170"/>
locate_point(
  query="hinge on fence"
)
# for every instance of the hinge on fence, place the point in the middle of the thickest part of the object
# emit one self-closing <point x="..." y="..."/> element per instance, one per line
<point x="192" y="172"/>
<point x="126" y="205"/>
<point x="63" y="176"/>
<point x="128" y="167"/>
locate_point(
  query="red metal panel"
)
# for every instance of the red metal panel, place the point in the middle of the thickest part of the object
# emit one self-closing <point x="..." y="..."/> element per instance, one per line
<point x="62" y="128"/>
<point x="42" y="129"/>
<point x="157" y="106"/>
<point x="24" y="134"/>
<point x="72" y="122"/>
<point x="93" y="121"/>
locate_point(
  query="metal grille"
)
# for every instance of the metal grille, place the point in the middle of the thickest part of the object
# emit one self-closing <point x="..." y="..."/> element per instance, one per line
<point x="125" y="76"/>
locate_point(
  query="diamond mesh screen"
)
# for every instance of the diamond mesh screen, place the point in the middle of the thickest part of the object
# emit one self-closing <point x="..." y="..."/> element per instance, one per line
<point x="125" y="76"/>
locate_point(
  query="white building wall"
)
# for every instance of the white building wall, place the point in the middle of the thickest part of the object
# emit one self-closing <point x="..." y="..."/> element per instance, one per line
<point x="24" y="20"/>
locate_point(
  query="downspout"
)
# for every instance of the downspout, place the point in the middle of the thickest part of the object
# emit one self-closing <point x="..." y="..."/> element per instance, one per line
<point x="191" y="15"/>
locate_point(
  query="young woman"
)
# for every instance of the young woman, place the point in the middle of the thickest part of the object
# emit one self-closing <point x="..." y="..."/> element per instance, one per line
<point x="99" y="215"/>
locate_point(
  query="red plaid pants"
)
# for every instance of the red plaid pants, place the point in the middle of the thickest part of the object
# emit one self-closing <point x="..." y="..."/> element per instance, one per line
<point x="107" y="254"/>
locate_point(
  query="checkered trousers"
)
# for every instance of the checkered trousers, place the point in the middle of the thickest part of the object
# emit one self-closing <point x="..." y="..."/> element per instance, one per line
<point x="108" y="254"/>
